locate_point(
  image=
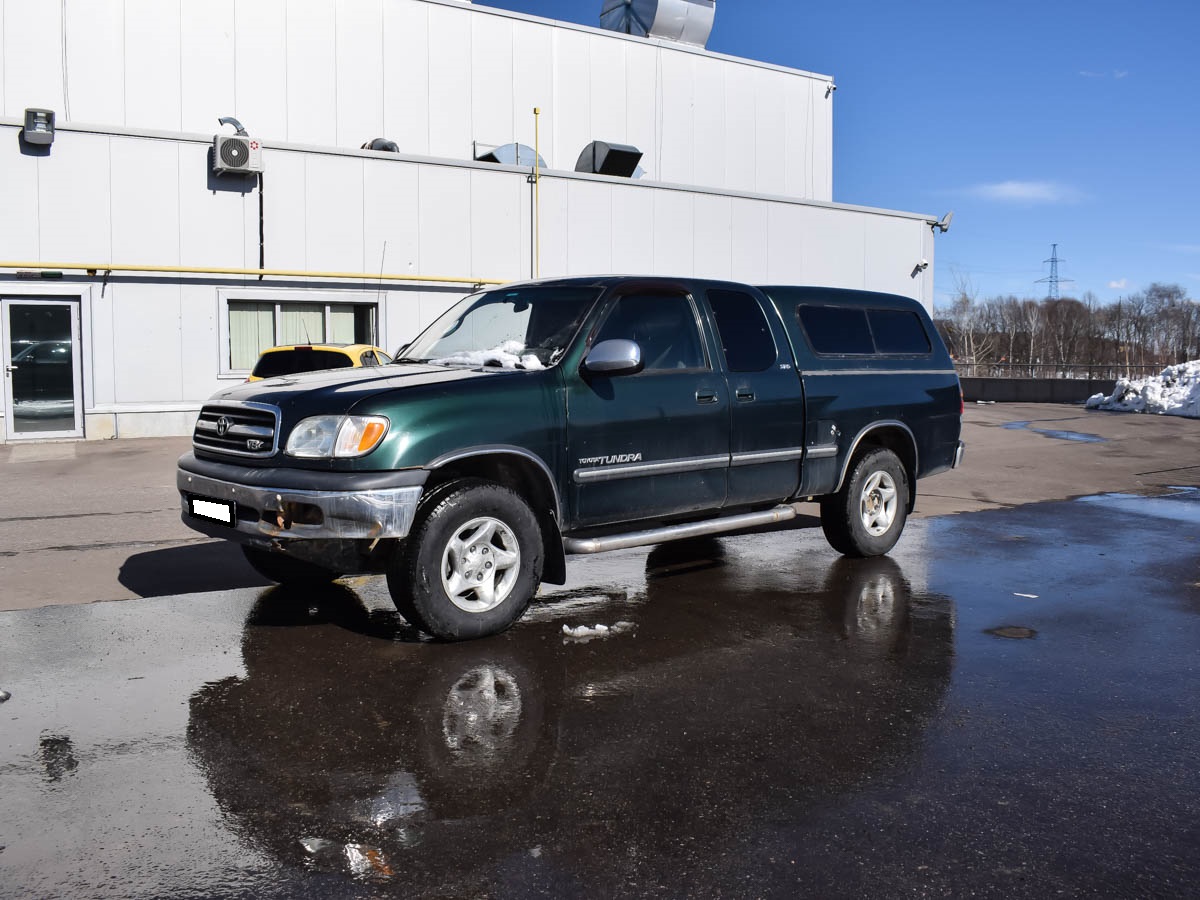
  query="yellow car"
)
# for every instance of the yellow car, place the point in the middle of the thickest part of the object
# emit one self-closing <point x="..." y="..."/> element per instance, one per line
<point x="293" y="358"/>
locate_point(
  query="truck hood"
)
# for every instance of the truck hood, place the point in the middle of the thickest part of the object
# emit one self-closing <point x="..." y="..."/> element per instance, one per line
<point x="336" y="391"/>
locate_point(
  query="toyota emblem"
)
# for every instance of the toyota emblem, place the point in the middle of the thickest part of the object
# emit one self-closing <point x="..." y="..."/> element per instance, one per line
<point x="223" y="424"/>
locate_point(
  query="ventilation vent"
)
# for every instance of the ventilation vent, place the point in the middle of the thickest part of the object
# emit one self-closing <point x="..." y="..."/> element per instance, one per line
<point x="685" y="21"/>
<point x="603" y="158"/>
<point x="509" y="155"/>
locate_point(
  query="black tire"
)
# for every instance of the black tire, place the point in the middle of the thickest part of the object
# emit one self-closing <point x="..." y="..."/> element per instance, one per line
<point x="486" y="587"/>
<point x="284" y="569"/>
<point x="866" y="517"/>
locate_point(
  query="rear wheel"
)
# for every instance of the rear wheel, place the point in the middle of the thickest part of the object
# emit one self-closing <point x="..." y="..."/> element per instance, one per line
<point x="471" y="564"/>
<point x="866" y="517"/>
<point x="284" y="569"/>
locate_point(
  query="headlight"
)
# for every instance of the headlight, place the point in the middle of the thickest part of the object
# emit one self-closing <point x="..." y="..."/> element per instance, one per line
<point x="322" y="437"/>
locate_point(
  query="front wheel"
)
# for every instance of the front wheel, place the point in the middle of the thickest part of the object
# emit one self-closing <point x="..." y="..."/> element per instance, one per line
<point x="866" y="517"/>
<point x="471" y="565"/>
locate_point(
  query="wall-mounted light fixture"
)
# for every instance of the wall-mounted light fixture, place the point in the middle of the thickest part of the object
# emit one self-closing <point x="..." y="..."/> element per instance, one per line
<point x="943" y="224"/>
<point x="39" y="126"/>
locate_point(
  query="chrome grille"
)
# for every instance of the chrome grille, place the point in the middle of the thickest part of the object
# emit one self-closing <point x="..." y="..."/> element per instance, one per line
<point x="240" y="429"/>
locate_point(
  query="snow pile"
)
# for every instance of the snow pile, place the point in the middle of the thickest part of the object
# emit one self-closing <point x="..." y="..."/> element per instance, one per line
<point x="587" y="632"/>
<point x="505" y="356"/>
<point x="1176" y="392"/>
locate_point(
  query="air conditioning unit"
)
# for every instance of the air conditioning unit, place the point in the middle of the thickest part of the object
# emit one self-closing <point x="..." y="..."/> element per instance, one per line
<point x="236" y="154"/>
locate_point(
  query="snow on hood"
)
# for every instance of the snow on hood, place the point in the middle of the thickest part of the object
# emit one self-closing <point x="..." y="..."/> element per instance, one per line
<point x="1176" y="392"/>
<point x="505" y="356"/>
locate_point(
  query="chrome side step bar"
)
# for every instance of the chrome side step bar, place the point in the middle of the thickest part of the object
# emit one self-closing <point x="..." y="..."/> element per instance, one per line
<point x="782" y="513"/>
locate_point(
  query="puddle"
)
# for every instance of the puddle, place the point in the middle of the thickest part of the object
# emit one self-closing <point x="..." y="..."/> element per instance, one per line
<point x="1078" y="437"/>
<point x="1183" y="507"/>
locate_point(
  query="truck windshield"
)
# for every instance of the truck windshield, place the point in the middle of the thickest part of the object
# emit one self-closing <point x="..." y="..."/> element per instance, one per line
<point x="516" y="328"/>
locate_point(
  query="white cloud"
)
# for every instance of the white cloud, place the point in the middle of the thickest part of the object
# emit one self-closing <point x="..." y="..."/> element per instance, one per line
<point x="1119" y="74"/>
<point x="1086" y="74"/>
<point x="1185" y="248"/>
<point x="1027" y="192"/>
<point x="1119" y="285"/>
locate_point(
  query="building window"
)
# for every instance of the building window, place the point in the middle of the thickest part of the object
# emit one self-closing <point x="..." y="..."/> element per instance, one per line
<point x="255" y="325"/>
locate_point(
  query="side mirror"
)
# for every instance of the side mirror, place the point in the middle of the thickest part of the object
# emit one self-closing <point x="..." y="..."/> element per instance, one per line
<point x="617" y="357"/>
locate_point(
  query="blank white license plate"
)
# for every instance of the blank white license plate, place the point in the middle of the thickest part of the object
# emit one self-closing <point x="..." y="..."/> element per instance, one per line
<point x="215" y="510"/>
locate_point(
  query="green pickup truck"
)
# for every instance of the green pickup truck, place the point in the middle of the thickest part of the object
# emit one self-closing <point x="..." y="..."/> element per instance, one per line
<point x="578" y="415"/>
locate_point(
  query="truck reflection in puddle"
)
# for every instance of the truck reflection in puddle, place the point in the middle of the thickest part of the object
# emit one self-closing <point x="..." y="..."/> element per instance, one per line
<point x="743" y="696"/>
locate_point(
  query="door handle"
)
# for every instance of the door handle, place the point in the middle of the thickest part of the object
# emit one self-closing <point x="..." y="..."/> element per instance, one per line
<point x="706" y="396"/>
<point x="10" y="368"/>
<point x="745" y="396"/>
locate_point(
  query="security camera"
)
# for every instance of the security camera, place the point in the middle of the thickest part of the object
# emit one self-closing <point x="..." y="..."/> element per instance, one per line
<point x="924" y="264"/>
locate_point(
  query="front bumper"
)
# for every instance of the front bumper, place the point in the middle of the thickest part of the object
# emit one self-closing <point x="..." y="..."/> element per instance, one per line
<point x="274" y="504"/>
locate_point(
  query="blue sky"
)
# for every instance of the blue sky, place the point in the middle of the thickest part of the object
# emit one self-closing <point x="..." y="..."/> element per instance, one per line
<point x="1074" y="122"/>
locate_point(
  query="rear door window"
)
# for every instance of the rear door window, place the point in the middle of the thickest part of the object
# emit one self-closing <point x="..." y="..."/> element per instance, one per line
<point x="744" y="331"/>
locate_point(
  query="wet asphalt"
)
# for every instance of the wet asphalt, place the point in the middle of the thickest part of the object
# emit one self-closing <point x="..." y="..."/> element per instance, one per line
<point x="1004" y="706"/>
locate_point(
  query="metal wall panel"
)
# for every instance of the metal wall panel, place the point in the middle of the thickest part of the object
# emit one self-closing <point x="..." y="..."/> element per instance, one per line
<point x="207" y="65"/>
<point x="641" y="104"/>
<point x="607" y="86"/>
<point x="674" y="242"/>
<point x="533" y="86"/>
<point x="285" y="205"/>
<point x="493" y="216"/>
<point x="741" y="174"/>
<point x="892" y="248"/>
<point x="450" y="128"/>
<point x="19" y="233"/>
<point x="589" y="227"/>
<point x="212" y="228"/>
<point x="333" y="213"/>
<point x="554" y="237"/>
<point x="406" y="76"/>
<point x="144" y="191"/>
<point x="199" y="343"/>
<point x="311" y="72"/>
<point x="32" y="77"/>
<point x="147" y="371"/>
<point x="359" y="88"/>
<point x="749" y="240"/>
<point x="708" y="145"/>
<point x="572" y="100"/>
<point x="492" y="80"/>
<point x="261" y="58"/>
<point x="833" y="243"/>
<point x="390" y="216"/>
<point x="152" y="89"/>
<point x="444" y="202"/>
<point x="73" y="199"/>
<point x="770" y="143"/>
<point x="633" y="229"/>
<point x="676" y="129"/>
<point x="95" y="43"/>
<point x="713" y="236"/>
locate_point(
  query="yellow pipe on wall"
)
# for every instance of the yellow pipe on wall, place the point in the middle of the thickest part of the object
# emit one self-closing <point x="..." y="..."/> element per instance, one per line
<point x="92" y="268"/>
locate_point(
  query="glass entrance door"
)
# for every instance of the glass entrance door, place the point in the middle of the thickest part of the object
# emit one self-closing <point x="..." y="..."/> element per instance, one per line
<point x="42" y="398"/>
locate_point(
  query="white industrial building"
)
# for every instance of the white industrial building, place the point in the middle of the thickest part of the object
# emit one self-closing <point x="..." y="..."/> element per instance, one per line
<point x="132" y="270"/>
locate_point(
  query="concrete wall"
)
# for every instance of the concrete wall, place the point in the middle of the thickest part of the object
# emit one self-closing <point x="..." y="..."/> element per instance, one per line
<point x="432" y="75"/>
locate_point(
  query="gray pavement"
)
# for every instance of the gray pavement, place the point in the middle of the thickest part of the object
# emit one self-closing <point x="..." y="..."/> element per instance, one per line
<point x="1005" y="706"/>
<point x="96" y="521"/>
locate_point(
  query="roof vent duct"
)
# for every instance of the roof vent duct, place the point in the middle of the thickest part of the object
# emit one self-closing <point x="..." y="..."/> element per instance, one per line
<point x="603" y="158"/>
<point x="509" y="155"/>
<point x="685" y="21"/>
